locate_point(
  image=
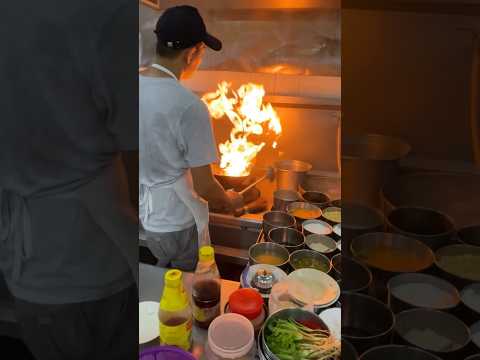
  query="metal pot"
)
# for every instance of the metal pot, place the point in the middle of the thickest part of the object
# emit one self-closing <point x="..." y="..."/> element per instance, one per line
<point x="406" y="291"/>
<point x="309" y="255"/>
<point x="366" y="322"/>
<point x="397" y="352"/>
<point x="431" y="227"/>
<point x="283" y="198"/>
<point x="368" y="162"/>
<point x="277" y="219"/>
<point x="290" y="174"/>
<point x="357" y="277"/>
<point x="316" y="198"/>
<point x="410" y="325"/>
<point x="269" y="248"/>
<point x="289" y="238"/>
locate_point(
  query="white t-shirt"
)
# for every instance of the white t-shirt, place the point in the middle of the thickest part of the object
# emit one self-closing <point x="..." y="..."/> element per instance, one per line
<point x="175" y="135"/>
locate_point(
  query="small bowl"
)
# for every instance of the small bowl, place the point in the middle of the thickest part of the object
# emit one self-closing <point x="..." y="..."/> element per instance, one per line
<point x="332" y="215"/>
<point x="459" y="263"/>
<point x="256" y="251"/>
<point x="304" y="211"/>
<point x="277" y="219"/>
<point x="302" y="259"/>
<point x="290" y="239"/>
<point x="445" y="336"/>
<point x="282" y="198"/>
<point x="470" y="298"/>
<point x="413" y="290"/>
<point x="316" y="198"/>
<point x="321" y="243"/>
<point x="317" y="227"/>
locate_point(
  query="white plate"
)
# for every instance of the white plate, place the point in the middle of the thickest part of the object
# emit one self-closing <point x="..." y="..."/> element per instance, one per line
<point x="148" y="328"/>
<point x="333" y="319"/>
<point x="312" y="286"/>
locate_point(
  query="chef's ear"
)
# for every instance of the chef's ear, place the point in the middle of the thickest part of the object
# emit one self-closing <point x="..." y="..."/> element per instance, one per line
<point x="190" y="55"/>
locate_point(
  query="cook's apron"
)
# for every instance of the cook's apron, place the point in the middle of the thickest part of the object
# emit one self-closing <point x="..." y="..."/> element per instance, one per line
<point x="183" y="187"/>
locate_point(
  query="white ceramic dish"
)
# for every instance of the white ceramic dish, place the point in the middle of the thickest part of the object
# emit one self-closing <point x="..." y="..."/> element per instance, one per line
<point x="148" y="328"/>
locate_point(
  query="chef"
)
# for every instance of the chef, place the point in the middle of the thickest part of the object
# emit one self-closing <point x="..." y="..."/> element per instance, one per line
<point x="177" y="145"/>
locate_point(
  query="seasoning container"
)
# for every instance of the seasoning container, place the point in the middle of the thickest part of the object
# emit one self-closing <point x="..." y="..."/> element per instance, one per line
<point x="175" y="314"/>
<point x="230" y="336"/>
<point x="332" y="215"/>
<point x="206" y="288"/>
<point x="249" y="303"/>
<point x="317" y="227"/>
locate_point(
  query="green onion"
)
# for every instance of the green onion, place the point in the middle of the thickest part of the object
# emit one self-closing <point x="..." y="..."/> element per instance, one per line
<point x="290" y="340"/>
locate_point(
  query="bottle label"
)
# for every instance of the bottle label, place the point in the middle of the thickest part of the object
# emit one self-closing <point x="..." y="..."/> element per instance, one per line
<point x="207" y="313"/>
<point x="179" y="335"/>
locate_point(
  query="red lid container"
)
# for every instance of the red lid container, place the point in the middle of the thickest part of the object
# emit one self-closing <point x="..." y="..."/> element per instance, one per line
<point x="246" y="302"/>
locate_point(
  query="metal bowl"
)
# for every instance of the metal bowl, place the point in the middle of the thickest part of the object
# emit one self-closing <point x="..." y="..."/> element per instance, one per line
<point x="366" y="321"/>
<point x="328" y="230"/>
<point x="308" y="256"/>
<point x="316" y="211"/>
<point x="358" y="277"/>
<point x="397" y="352"/>
<point x="406" y="291"/>
<point x="330" y="245"/>
<point x="445" y="336"/>
<point x="290" y="173"/>
<point x="325" y="215"/>
<point x="470" y="235"/>
<point x="282" y="198"/>
<point x="289" y="238"/>
<point x="296" y="314"/>
<point x="431" y="227"/>
<point x="410" y="255"/>
<point x="465" y="255"/>
<point x="470" y="298"/>
<point x="316" y="198"/>
<point x="277" y="219"/>
<point x="269" y="248"/>
<point x="475" y="331"/>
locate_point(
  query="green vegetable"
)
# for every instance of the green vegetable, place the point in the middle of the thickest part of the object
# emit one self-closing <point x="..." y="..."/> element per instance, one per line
<point x="290" y="340"/>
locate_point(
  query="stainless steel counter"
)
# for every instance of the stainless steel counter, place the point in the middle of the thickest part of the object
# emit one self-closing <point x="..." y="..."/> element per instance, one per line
<point x="151" y="287"/>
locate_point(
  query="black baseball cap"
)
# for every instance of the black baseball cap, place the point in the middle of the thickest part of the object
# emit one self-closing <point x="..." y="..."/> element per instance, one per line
<point x="181" y="27"/>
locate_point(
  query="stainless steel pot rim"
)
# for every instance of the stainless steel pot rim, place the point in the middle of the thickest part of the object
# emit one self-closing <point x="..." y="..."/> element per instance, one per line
<point x="287" y="229"/>
<point x="394" y="346"/>
<point x="293" y="165"/>
<point x="378" y="302"/>
<point x="426" y="277"/>
<point x="425" y="236"/>
<point x="310" y="238"/>
<point x="440" y="313"/>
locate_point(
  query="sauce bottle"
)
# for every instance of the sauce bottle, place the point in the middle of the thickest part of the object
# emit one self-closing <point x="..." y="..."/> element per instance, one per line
<point x="206" y="288"/>
<point x="175" y="314"/>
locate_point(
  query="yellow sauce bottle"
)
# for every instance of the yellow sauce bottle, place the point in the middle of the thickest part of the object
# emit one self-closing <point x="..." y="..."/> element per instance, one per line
<point x="175" y="314"/>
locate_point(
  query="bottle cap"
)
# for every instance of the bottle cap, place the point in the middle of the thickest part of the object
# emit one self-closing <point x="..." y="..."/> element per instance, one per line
<point x="246" y="302"/>
<point x="206" y="253"/>
<point x="173" y="278"/>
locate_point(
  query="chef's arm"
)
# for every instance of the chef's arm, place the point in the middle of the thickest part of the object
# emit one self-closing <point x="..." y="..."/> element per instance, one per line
<point x="210" y="189"/>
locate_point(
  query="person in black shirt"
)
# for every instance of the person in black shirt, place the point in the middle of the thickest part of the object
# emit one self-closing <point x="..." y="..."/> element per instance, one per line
<point x="68" y="230"/>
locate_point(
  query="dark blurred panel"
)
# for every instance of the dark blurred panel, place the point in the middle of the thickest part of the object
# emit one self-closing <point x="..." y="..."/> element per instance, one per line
<point x="410" y="177"/>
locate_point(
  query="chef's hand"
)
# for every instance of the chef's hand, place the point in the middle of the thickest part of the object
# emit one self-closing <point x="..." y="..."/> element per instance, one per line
<point x="236" y="202"/>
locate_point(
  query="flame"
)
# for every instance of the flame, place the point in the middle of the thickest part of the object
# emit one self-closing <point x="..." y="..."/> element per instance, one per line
<point x="249" y="115"/>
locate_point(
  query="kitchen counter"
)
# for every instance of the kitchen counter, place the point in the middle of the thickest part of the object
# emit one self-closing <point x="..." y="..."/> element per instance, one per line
<point x="151" y="287"/>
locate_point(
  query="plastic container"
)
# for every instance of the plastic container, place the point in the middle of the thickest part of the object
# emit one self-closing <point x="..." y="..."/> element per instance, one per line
<point x="206" y="289"/>
<point x="249" y="303"/>
<point x="165" y="353"/>
<point x="230" y="336"/>
<point x="175" y="314"/>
